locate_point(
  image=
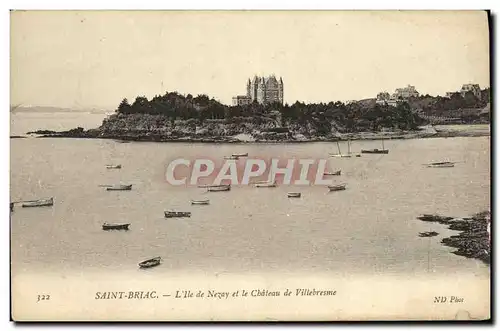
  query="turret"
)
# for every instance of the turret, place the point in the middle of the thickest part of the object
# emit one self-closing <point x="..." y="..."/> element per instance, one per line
<point x="249" y="88"/>
<point x="280" y="90"/>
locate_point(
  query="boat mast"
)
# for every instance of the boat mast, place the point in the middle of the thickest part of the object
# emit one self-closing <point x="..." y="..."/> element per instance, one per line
<point x="349" y="147"/>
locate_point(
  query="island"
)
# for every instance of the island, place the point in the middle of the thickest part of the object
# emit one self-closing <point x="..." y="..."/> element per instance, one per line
<point x="176" y="117"/>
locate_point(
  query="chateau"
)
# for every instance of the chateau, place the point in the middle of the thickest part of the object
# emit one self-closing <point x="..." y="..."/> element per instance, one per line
<point x="262" y="90"/>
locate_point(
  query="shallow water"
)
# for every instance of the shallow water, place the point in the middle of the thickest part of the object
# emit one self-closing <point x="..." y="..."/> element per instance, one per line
<point x="369" y="228"/>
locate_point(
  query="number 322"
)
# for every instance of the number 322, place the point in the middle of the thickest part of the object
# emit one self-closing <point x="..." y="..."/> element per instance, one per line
<point x="43" y="297"/>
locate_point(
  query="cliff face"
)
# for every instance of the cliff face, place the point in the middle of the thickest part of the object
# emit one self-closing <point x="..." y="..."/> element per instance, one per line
<point x="161" y="126"/>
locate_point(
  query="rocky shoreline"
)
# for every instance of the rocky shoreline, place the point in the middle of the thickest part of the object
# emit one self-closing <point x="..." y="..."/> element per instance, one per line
<point x="151" y="136"/>
<point x="474" y="239"/>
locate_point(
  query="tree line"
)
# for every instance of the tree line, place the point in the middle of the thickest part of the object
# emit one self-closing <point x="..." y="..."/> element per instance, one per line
<point x="350" y="117"/>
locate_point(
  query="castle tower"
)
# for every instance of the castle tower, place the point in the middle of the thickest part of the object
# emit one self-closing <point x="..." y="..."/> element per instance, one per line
<point x="261" y="90"/>
<point x="249" y="88"/>
<point x="254" y="86"/>
<point x="280" y="90"/>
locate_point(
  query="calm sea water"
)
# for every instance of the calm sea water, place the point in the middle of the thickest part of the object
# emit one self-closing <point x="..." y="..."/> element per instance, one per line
<point x="369" y="228"/>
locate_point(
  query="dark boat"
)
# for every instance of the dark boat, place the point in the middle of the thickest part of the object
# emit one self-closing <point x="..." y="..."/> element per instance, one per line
<point x="340" y="187"/>
<point x="12" y="206"/>
<point x="108" y="226"/>
<point x="428" y="234"/>
<point x="294" y="194"/>
<point x="119" y="187"/>
<point x="39" y="203"/>
<point x="335" y="173"/>
<point x="441" y="165"/>
<point x="220" y="188"/>
<point x="172" y="214"/>
<point x="150" y="263"/>
<point x="113" y="166"/>
<point x="376" y="150"/>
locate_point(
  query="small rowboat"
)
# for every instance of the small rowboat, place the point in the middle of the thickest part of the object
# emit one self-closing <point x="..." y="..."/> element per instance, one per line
<point x="12" y="206"/>
<point x="119" y="187"/>
<point x="268" y="184"/>
<point x="335" y="173"/>
<point x="172" y="214"/>
<point x="210" y="185"/>
<point x="108" y="226"/>
<point x="339" y="187"/>
<point x="375" y="151"/>
<point x="150" y="263"/>
<point x="239" y="154"/>
<point x="339" y="155"/>
<point x="113" y="166"/>
<point x="232" y="157"/>
<point x="441" y="165"/>
<point x="220" y="188"/>
<point x="294" y="195"/>
<point x="428" y="234"/>
<point x="39" y="203"/>
<point x="200" y="202"/>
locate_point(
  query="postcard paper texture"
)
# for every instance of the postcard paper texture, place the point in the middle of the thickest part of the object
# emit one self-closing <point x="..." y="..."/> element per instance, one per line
<point x="250" y="165"/>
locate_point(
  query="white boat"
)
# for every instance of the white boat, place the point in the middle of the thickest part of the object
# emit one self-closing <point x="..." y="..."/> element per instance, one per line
<point x="113" y="166"/>
<point x="339" y="187"/>
<point x="39" y="203"/>
<point x="267" y="184"/>
<point x="294" y="194"/>
<point x="239" y="154"/>
<point x="200" y="202"/>
<point x="232" y="157"/>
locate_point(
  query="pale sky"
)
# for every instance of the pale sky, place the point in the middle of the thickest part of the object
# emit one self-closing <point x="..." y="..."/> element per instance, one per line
<point x="96" y="58"/>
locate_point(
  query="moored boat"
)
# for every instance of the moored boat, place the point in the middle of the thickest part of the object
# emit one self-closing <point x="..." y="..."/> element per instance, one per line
<point x="294" y="194"/>
<point x="150" y="263"/>
<point x="339" y="187"/>
<point x="219" y="188"/>
<point x="335" y="173"/>
<point x="172" y="214"/>
<point x="266" y="184"/>
<point x="441" y="165"/>
<point x="231" y="157"/>
<point x="239" y="154"/>
<point x="39" y="203"/>
<point x="113" y="166"/>
<point x="200" y="202"/>
<point x="120" y="187"/>
<point x="111" y="226"/>
<point x="12" y="206"/>
<point x="428" y="234"/>
<point x="376" y="150"/>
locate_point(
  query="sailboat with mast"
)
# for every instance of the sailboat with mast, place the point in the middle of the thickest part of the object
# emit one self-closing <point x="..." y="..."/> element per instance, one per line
<point x="376" y="150"/>
<point x="349" y="153"/>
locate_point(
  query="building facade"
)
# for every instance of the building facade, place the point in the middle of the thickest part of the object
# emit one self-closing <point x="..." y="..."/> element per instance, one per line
<point x="474" y="88"/>
<point x="406" y="92"/>
<point x="263" y="90"/>
<point x="241" y="100"/>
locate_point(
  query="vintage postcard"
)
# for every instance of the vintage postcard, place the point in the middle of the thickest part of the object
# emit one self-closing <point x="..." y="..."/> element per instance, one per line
<point x="250" y="165"/>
